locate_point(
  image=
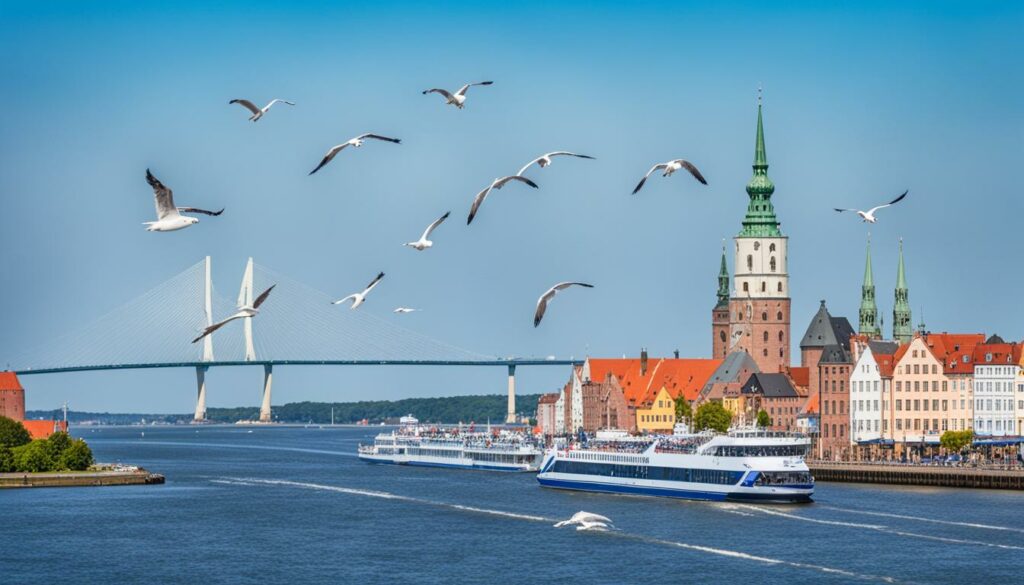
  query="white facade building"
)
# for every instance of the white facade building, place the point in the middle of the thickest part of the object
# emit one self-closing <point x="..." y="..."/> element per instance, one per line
<point x="868" y="398"/>
<point x="995" y="400"/>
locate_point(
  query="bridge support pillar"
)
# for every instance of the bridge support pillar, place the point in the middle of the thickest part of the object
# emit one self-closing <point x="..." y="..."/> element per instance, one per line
<point x="511" y="416"/>
<point x="201" y="398"/>
<point x="268" y="378"/>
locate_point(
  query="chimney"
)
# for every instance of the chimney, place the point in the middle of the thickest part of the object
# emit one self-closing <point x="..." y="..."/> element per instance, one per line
<point x="676" y="352"/>
<point x="643" y="361"/>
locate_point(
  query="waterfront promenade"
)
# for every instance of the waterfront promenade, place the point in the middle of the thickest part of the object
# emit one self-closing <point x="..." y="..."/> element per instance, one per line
<point x="80" y="478"/>
<point x="991" y="477"/>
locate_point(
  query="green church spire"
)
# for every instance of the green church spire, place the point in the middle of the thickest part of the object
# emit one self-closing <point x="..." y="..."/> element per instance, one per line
<point x="868" y="309"/>
<point x="723" y="282"/>
<point x="901" y="322"/>
<point x="760" y="220"/>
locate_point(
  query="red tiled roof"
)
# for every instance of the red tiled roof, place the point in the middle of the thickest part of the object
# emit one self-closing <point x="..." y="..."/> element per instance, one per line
<point x="886" y="363"/>
<point x="811" y="406"/>
<point x="9" y="381"/>
<point x="955" y="351"/>
<point x="800" y="376"/>
<point x="1000" y="353"/>
<point x="40" y="429"/>
<point x="679" y="377"/>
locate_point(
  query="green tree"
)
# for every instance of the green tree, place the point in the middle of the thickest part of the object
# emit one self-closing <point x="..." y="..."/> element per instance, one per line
<point x="6" y="460"/>
<point x="57" y="443"/>
<point x="77" y="456"/>
<point x="956" y="441"/>
<point x="684" y="412"/>
<point x="763" y="420"/>
<point x="33" y="457"/>
<point x="13" y="433"/>
<point x="712" y="415"/>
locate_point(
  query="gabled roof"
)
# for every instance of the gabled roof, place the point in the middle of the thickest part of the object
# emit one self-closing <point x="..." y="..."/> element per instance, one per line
<point x="994" y="338"/>
<point x="954" y="350"/>
<point x="811" y="406"/>
<point x="801" y="376"/>
<point x="994" y="354"/>
<point x="548" y="398"/>
<point x="883" y="347"/>
<point x="835" y="354"/>
<point x="40" y="429"/>
<point x="827" y="330"/>
<point x="9" y="381"/>
<point x="601" y="367"/>
<point x="731" y="366"/>
<point x="771" y="386"/>
<point x="886" y="363"/>
<point x="679" y="377"/>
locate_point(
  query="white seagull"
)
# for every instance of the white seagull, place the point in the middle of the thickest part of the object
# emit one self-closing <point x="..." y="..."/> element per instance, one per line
<point x="358" y="298"/>
<point x="355" y="143"/>
<point x="545" y="159"/>
<point x="404" y="310"/>
<point x="423" y="243"/>
<point x="542" y="302"/>
<point x="257" y="113"/>
<point x="243" y="311"/>
<point x="581" y="516"/>
<point x="869" y="215"/>
<point x="496" y="184"/>
<point x="671" y="167"/>
<point x="457" y="99"/>
<point x="168" y="217"/>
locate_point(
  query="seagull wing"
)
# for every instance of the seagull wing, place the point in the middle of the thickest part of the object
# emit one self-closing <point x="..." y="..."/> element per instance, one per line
<point x="542" y="302"/>
<point x="644" y="180"/>
<point x="893" y="202"/>
<point x="329" y="156"/>
<point x="373" y="283"/>
<point x="276" y="100"/>
<point x="379" y="137"/>
<point x="693" y="170"/>
<point x="263" y="296"/>
<point x="163" y="196"/>
<point x="842" y="210"/>
<point x="247" y="105"/>
<point x="529" y="164"/>
<point x="477" y="202"/>
<point x="348" y="298"/>
<point x="197" y="210"/>
<point x="433" y="226"/>
<point x="217" y="326"/>
<point x="447" y="94"/>
<point x="502" y="181"/>
<point x="567" y="153"/>
<point x="465" y="88"/>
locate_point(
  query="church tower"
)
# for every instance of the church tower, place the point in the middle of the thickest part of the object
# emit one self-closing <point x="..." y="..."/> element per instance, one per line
<point x="868" y="309"/>
<point x="759" y="309"/>
<point x="902" y="330"/>
<point x="720" y="314"/>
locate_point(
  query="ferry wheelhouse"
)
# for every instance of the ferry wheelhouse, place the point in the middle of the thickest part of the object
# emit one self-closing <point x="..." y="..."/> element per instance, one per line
<point x="743" y="465"/>
<point x="500" y="451"/>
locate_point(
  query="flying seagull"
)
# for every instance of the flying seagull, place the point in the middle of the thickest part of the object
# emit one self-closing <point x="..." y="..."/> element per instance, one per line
<point x="257" y="113"/>
<point x="423" y="243"/>
<point x="545" y="159"/>
<point x="580" y="517"/>
<point x="496" y="184"/>
<point x="355" y="143"/>
<point x="457" y="99"/>
<point x="542" y="302"/>
<point x="243" y="311"/>
<point x="671" y="167"/>
<point x="404" y="310"/>
<point x="168" y="217"/>
<point x="358" y="298"/>
<point x="869" y="215"/>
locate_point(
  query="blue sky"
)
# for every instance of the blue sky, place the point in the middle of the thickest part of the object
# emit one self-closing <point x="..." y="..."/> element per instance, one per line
<point x="862" y="101"/>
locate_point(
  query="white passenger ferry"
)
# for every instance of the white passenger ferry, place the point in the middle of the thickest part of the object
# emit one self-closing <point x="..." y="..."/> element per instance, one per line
<point x="431" y="447"/>
<point x="743" y="465"/>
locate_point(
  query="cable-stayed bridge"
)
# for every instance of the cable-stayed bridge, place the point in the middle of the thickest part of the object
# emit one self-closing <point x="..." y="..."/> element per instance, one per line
<point x="297" y="326"/>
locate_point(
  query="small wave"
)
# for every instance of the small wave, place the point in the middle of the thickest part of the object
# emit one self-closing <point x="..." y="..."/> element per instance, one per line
<point x="921" y="519"/>
<point x="814" y="520"/>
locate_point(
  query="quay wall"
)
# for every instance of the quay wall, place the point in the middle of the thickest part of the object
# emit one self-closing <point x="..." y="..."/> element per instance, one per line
<point x="939" y="476"/>
<point x="79" y="479"/>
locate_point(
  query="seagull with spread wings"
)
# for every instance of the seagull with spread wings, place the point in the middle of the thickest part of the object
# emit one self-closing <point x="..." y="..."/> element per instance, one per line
<point x="257" y="113"/>
<point x="495" y="184"/>
<point x="243" y="311"/>
<point x="360" y="297"/>
<point x="542" y="302"/>
<point x="423" y="243"/>
<point x="404" y="310"/>
<point x="545" y="159"/>
<point x="869" y="215"/>
<point x="169" y="217"/>
<point x="354" y="143"/>
<point x="457" y="99"/>
<point x="671" y="167"/>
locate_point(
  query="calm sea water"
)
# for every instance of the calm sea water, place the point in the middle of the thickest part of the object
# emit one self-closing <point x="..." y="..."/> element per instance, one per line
<point x="294" y="505"/>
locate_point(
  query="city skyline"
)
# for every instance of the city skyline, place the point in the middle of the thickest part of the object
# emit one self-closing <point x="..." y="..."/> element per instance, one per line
<point x="860" y="136"/>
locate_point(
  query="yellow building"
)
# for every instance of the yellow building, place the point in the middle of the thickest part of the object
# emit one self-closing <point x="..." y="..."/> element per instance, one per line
<point x="660" y="417"/>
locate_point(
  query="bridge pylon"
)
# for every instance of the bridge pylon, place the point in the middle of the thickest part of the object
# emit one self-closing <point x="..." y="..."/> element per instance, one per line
<point x="268" y="378"/>
<point x="200" y="415"/>
<point x="245" y="300"/>
<point x="511" y="416"/>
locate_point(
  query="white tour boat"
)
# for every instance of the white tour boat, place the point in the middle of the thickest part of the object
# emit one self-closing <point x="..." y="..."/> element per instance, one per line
<point x="743" y="465"/>
<point x="432" y="447"/>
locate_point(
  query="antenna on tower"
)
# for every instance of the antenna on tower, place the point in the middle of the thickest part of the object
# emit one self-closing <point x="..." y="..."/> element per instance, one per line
<point x="759" y="94"/>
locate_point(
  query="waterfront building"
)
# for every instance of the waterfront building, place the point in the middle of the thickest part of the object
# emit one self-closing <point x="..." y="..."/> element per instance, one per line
<point x="870" y="390"/>
<point x="834" y="368"/>
<point x="775" y="394"/>
<point x="12" y="396"/>
<point x="1019" y="400"/>
<point x="824" y="331"/>
<point x="546" y="419"/>
<point x="759" y="303"/>
<point x="660" y="417"/>
<point x="868" y="313"/>
<point x="807" y="422"/>
<point x="996" y="369"/>
<point x="933" y="387"/>
<point x="725" y="382"/>
<point x="902" y="330"/>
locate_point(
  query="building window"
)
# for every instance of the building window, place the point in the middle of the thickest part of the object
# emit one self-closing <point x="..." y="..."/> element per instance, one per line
<point x="779" y="287"/>
<point x="771" y="247"/>
<point x="721" y="335"/>
<point x="765" y="352"/>
<point x="764" y="317"/>
<point x="764" y="286"/>
<point x="746" y="287"/>
<point x="772" y="263"/>
<point x="750" y="262"/>
<point x="766" y="337"/>
<point x="780" y="336"/>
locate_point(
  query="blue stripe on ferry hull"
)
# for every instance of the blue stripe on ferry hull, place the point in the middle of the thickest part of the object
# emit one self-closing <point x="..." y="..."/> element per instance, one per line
<point x="448" y="465"/>
<point x="670" y="493"/>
